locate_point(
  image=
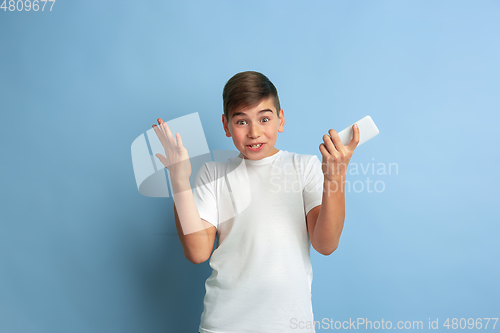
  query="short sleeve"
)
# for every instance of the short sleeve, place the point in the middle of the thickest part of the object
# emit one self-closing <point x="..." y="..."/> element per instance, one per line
<point x="313" y="183"/>
<point x="205" y="196"/>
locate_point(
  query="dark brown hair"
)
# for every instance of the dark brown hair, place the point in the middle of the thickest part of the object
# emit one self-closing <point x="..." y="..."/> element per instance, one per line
<point x="247" y="89"/>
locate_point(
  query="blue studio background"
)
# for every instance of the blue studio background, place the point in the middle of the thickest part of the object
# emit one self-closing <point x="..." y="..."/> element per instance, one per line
<point x="81" y="250"/>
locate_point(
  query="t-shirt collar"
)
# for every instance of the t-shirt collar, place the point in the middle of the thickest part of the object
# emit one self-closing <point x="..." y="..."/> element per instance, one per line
<point x="265" y="160"/>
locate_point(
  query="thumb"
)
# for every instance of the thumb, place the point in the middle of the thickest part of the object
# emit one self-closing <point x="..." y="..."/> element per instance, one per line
<point x="162" y="159"/>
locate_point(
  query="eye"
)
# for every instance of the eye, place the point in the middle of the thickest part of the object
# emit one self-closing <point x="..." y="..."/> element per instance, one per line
<point x="238" y="122"/>
<point x="266" y="118"/>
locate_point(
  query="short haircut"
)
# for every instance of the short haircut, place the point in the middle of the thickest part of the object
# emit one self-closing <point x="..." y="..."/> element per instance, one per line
<point x="248" y="89"/>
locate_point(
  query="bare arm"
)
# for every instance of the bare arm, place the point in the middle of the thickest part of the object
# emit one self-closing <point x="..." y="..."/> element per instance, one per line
<point x="196" y="235"/>
<point x="325" y="222"/>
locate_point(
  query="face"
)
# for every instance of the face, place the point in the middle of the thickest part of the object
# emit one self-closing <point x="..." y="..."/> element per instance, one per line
<point x="256" y="125"/>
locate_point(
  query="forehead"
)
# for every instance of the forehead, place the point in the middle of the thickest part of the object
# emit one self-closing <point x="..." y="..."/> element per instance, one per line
<point x="265" y="106"/>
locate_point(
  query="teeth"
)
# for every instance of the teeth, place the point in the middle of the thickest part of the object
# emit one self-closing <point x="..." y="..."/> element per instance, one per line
<point x="256" y="146"/>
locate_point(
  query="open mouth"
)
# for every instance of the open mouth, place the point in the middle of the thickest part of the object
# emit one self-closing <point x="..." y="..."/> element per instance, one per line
<point x="256" y="147"/>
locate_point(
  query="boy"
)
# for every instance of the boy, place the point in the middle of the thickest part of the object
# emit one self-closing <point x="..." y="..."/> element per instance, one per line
<point x="282" y="203"/>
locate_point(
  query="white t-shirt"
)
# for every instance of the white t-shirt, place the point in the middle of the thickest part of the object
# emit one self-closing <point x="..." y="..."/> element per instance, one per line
<point x="262" y="274"/>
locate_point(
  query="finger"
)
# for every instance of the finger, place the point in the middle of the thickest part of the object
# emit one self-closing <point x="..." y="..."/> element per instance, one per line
<point x="324" y="152"/>
<point x="167" y="131"/>
<point x="159" y="132"/>
<point x="355" y="138"/>
<point x="162" y="134"/>
<point x="159" y="129"/>
<point x="329" y="144"/>
<point x="336" y="140"/>
<point x="160" y="121"/>
<point x="179" y="140"/>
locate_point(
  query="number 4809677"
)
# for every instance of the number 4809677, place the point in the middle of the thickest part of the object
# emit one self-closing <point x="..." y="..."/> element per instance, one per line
<point x="27" y="5"/>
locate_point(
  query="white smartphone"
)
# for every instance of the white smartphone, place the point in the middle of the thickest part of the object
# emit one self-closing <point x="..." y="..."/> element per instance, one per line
<point x="367" y="130"/>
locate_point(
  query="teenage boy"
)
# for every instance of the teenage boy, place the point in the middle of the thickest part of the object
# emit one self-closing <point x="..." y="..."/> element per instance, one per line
<point x="283" y="203"/>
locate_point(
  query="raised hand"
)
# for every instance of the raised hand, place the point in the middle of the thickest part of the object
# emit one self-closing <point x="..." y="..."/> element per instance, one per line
<point x="336" y="156"/>
<point x="176" y="158"/>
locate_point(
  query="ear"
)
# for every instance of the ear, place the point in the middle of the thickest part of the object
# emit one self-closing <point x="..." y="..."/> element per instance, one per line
<point x="226" y="126"/>
<point x="281" y="121"/>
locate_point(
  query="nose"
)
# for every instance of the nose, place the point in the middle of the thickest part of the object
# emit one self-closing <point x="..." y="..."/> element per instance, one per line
<point x="254" y="131"/>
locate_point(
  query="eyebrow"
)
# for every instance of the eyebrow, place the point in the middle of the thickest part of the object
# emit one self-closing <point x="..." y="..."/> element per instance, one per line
<point x="244" y="114"/>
